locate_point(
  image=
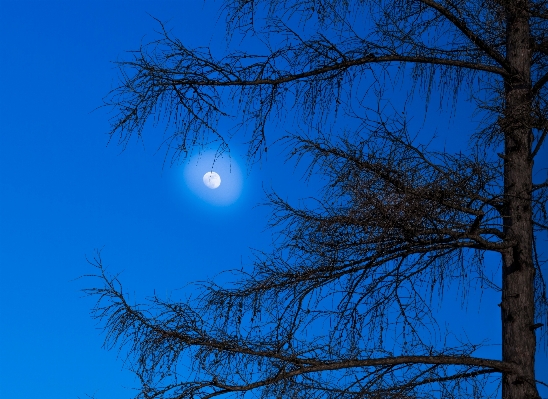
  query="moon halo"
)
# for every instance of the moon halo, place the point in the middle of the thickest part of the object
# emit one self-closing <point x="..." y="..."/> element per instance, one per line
<point x="190" y="178"/>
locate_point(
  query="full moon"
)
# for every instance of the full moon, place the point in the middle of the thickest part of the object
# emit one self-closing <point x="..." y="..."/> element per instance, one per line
<point x="212" y="180"/>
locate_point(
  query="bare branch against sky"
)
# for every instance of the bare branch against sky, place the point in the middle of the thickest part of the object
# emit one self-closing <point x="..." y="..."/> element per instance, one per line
<point x="341" y="306"/>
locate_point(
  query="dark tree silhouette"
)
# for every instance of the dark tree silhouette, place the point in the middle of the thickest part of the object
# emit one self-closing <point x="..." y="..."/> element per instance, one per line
<point x="341" y="307"/>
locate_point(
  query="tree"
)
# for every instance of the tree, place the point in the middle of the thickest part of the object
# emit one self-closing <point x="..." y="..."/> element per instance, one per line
<point x="340" y="308"/>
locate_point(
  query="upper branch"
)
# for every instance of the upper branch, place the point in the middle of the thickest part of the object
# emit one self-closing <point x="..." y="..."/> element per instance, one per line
<point x="474" y="38"/>
<point x="336" y="67"/>
<point x="186" y="84"/>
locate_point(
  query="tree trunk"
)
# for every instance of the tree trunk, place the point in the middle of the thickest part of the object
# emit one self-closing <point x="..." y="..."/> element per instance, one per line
<point x="518" y="339"/>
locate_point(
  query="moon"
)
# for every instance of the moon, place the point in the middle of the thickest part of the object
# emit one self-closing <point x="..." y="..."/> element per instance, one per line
<point x="212" y="180"/>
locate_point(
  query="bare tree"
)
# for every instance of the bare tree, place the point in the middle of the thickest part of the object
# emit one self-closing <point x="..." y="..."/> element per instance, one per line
<point x="341" y="307"/>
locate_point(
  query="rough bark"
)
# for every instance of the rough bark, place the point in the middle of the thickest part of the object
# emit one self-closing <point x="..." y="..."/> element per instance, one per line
<point x="518" y="336"/>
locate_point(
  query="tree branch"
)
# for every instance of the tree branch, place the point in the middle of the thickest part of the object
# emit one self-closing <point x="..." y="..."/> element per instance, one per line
<point x="539" y="84"/>
<point x="336" y="67"/>
<point x="475" y="39"/>
<point x="540" y="141"/>
<point x="493" y="365"/>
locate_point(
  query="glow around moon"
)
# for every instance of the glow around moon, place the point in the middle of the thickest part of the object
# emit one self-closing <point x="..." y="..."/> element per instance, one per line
<point x="191" y="179"/>
<point x="212" y="180"/>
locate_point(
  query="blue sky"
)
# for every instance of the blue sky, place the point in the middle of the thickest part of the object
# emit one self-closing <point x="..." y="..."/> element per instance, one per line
<point x="64" y="193"/>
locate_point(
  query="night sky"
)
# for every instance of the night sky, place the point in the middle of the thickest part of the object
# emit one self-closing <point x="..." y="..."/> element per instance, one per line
<point x="67" y="193"/>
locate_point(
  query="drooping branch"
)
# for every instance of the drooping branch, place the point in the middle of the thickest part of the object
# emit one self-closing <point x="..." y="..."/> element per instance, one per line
<point x="187" y="84"/>
<point x="178" y="328"/>
<point x="337" y="67"/>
